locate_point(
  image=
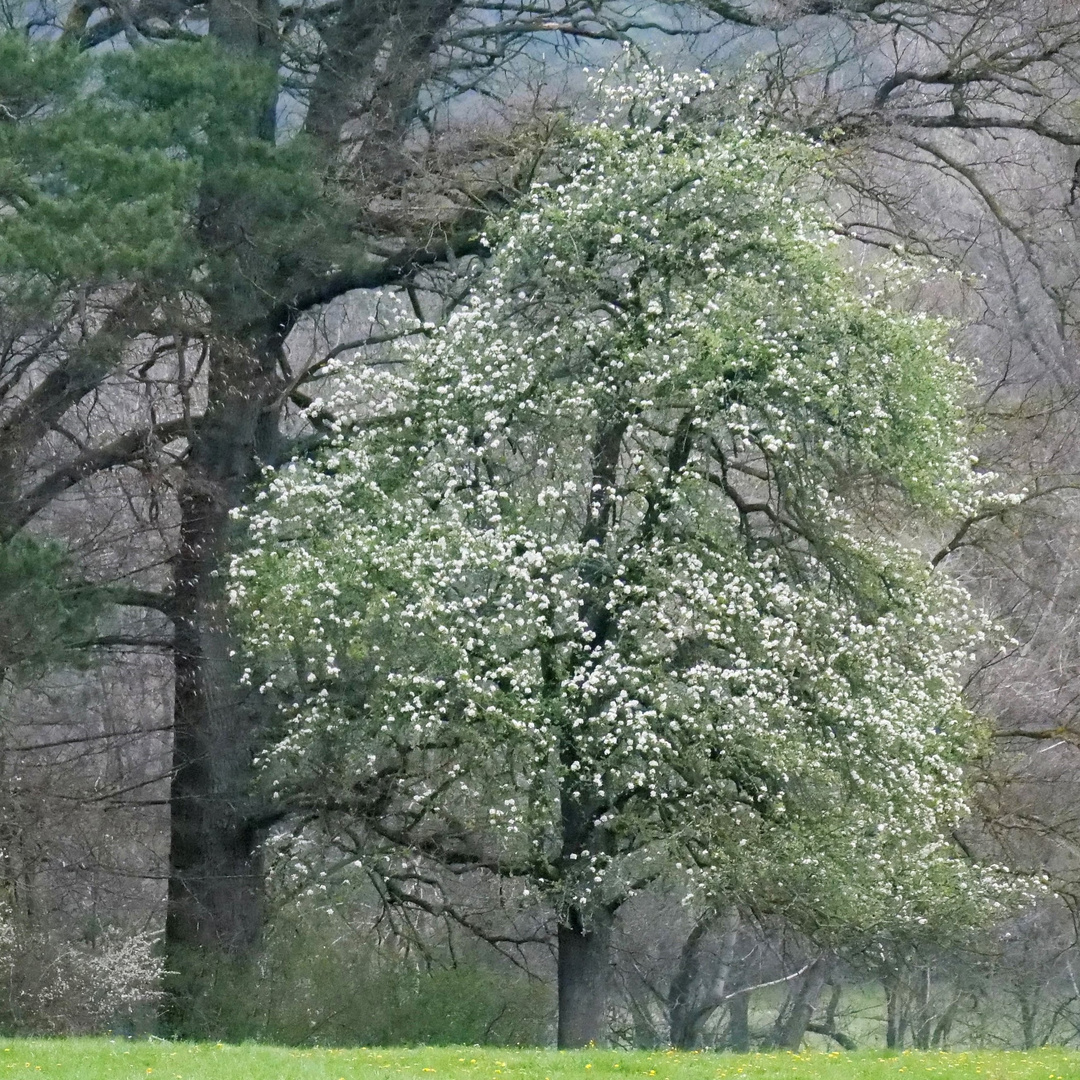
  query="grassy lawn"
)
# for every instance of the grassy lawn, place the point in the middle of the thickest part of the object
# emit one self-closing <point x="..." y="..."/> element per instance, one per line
<point x="101" y="1059"/>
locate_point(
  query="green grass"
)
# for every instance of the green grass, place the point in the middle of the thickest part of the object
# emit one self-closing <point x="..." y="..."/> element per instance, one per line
<point x="102" y="1059"/>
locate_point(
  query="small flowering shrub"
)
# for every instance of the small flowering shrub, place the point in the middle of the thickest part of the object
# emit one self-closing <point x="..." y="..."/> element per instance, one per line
<point x="76" y="987"/>
<point x="621" y="574"/>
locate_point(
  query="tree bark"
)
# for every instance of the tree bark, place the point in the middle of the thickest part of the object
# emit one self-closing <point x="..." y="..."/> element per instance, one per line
<point x="894" y="1019"/>
<point x="214" y="910"/>
<point x="1028" y="1012"/>
<point x="944" y="1025"/>
<point x="793" y="1029"/>
<point x="738" y="1031"/>
<point x="584" y="958"/>
<point x="378" y="55"/>
<point x="681" y="994"/>
<point x="215" y="867"/>
<point x="584" y="975"/>
<point x="923" y="1020"/>
<point x="698" y="988"/>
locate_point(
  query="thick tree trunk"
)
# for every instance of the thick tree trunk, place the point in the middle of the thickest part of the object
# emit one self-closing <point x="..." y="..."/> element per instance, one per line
<point x="944" y="1025"/>
<point x="584" y="974"/>
<point x="585" y="937"/>
<point x="378" y="56"/>
<point x="215" y="870"/>
<point x="682" y="994"/>
<point x="214" y="912"/>
<point x="792" y="1031"/>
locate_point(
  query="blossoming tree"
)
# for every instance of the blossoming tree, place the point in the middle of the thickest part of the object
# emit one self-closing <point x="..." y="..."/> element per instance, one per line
<point x="615" y="577"/>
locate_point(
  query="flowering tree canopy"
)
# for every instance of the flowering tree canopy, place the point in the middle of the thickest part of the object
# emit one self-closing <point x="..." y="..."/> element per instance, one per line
<point x="616" y="575"/>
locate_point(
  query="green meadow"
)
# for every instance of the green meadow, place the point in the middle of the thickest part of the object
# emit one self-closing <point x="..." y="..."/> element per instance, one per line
<point x="103" y="1059"/>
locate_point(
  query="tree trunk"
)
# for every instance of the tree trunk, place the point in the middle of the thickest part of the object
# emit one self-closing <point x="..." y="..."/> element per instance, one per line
<point x="793" y="1029"/>
<point x="923" y="1021"/>
<point x="699" y="985"/>
<point x="215" y="868"/>
<point x="215" y="872"/>
<point x="1028" y="1013"/>
<point x="395" y="39"/>
<point x="584" y="973"/>
<point x="894" y="1030"/>
<point x="943" y="1027"/>
<point x="585" y="937"/>
<point x="827" y="1025"/>
<point x="584" y="960"/>
<point x="738" y="1031"/>
<point x="681" y="994"/>
<point x="214" y="911"/>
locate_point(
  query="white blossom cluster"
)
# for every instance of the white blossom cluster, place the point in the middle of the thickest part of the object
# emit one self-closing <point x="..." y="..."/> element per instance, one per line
<point x="611" y="573"/>
<point x="75" y="987"/>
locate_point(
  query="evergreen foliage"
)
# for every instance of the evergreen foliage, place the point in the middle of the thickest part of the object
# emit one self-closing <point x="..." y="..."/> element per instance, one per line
<point x="114" y="171"/>
<point x="46" y="611"/>
<point x="118" y="169"/>
<point x="92" y="192"/>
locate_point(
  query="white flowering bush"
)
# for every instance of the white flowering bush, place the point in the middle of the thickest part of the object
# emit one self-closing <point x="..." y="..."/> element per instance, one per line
<point x="52" y="985"/>
<point x="621" y="576"/>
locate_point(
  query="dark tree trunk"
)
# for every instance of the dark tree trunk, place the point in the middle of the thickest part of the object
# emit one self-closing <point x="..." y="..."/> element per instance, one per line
<point x="792" y="1030"/>
<point x="894" y="1034"/>
<point x="214" y="911"/>
<point x="584" y="974"/>
<point x="944" y="1025"/>
<point x="1028" y="1013"/>
<point x="394" y="38"/>
<point x="699" y="986"/>
<point x="215" y="869"/>
<point x="681" y="994"/>
<point x="584" y="960"/>
<point x="585" y="937"/>
<point x="738" y="1031"/>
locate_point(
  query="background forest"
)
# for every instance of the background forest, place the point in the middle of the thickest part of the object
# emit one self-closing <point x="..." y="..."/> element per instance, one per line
<point x="207" y="210"/>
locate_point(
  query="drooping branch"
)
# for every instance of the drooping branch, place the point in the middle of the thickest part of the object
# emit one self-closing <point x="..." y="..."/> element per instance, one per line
<point x="129" y="596"/>
<point x="86" y="367"/>
<point x="396" y="269"/>
<point x="128" y="448"/>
